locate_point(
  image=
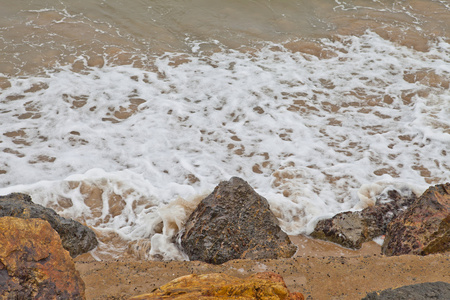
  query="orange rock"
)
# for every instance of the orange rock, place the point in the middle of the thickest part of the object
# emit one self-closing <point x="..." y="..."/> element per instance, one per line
<point x="33" y="263"/>
<point x="264" y="286"/>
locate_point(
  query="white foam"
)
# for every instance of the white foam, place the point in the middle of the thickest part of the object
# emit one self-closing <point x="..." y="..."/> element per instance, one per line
<point x="298" y="128"/>
<point x="163" y="247"/>
<point x="379" y="240"/>
<point x="368" y="193"/>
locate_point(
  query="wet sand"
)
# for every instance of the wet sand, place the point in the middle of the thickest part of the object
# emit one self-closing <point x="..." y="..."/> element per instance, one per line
<point x="320" y="270"/>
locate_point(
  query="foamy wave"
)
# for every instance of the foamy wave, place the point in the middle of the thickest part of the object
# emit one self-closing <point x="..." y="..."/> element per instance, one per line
<point x="368" y="192"/>
<point x="307" y="132"/>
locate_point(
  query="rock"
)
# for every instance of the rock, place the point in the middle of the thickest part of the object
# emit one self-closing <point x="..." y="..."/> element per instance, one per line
<point x="352" y="229"/>
<point x="33" y="263"/>
<point x="423" y="228"/>
<point x="265" y="285"/>
<point x="76" y="238"/>
<point x="348" y="229"/>
<point x="234" y="222"/>
<point x="422" y="291"/>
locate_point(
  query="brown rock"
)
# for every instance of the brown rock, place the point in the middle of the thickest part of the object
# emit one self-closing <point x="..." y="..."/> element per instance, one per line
<point x="352" y="229"/>
<point x="234" y="222"/>
<point x="423" y="228"/>
<point x="265" y="285"/>
<point x="33" y="263"/>
<point x="76" y="238"/>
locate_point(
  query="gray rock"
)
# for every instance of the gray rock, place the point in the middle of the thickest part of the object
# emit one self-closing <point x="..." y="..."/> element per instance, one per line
<point x="422" y="291"/>
<point x="75" y="237"/>
<point x="234" y="222"/>
<point x="352" y="229"/>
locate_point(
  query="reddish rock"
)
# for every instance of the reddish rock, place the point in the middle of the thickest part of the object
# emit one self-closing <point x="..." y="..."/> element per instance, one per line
<point x="33" y="263"/>
<point x="423" y="228"/>
<point x="234" y="222"/>
<point x="262" y="286"/>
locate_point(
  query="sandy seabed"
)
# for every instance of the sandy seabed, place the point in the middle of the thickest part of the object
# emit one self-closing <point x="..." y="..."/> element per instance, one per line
<point x="320" y="270"/>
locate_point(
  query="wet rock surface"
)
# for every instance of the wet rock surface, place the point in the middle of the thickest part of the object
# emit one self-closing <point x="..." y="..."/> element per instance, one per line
<point x="33" y="263"/>
<point x="264" y="285"/>
<point x="423" y="228"/>
<point x="352" y="229"/>
<point x="234" y="222"/>
<point x="76" y="238"/>
<point x="421" y="291"/>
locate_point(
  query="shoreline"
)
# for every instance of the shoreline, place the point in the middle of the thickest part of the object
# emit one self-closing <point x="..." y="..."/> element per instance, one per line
<point x="319" y="270"/>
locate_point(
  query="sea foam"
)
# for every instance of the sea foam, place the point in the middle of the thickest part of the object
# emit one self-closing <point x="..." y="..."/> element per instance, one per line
<point x="129" y="150"/>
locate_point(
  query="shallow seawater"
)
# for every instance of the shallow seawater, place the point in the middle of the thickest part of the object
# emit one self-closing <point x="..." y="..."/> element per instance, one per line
<point x="124" y="115"/>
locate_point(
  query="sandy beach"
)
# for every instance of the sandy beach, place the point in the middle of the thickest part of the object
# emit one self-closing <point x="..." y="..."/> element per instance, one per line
<point x="320" y="270"/>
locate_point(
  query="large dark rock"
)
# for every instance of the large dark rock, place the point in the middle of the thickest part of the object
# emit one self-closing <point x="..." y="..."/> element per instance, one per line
<point x="423" y="228"/>
<point x="33" y="263"/>
<point x="234" y="222"/>
<point x="352" y="229"/>
<point x="76" y="238"/>
<point x="422" y="291"/>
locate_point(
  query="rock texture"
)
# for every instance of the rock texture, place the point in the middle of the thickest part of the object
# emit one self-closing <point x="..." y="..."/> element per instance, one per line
<point x="76" y="238"/>
<point x="352" y="229"/>
<point x="424" y="228"/>
<point x="234" y="222"/>
<point x="422" y="291"/>
<point x="220" y="286"/>
<point x="33" y="263"/>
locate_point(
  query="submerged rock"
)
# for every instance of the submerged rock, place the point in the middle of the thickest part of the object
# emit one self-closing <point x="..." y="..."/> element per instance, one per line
<point x="423" y="228"/>
<point x="221" y="286"/>
<point x="422" y="291"/>
<point x="76" y="238"/>
<point x="352" y="229"/>
<point x="234" y="222"/>
<point x="33" y="263"/>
